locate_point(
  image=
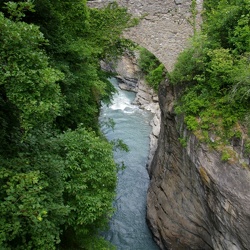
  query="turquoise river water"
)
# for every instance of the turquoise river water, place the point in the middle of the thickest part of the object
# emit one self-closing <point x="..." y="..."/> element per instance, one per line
<point x="128" y="228"/>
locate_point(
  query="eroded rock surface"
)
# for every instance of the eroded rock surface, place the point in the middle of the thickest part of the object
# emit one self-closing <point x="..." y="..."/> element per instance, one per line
<point x="195" y="201"/>
<point x="128" y="72"/>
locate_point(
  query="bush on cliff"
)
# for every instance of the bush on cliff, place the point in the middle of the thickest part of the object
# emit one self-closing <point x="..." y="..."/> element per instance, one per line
<point x="214" y="72"/>
<point x="153" y="69"/>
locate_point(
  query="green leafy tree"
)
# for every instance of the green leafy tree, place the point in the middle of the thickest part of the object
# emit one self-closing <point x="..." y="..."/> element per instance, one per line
<point x="27" y="80"/>
<point x="90" y="183"/>
<point x="227" y="24"/>
<point x="24" y="223"/>
<point x="106" y="26"/>
<point x="32" y="207"/>
<point x="57" y="184"/>
<point x="79" y="38"/>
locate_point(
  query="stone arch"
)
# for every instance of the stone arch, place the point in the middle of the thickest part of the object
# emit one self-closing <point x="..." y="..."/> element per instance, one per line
<point x="164" y="28"/>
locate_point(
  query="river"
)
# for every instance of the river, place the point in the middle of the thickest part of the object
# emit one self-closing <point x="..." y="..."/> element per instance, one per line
<point x="128" y="228"/>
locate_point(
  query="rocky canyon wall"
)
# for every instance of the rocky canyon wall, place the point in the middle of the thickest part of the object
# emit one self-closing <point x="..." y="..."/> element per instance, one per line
<point x="195" y="200"/>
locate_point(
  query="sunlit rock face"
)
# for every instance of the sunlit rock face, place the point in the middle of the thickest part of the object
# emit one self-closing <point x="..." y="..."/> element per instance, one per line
<point x="195" y="200"/>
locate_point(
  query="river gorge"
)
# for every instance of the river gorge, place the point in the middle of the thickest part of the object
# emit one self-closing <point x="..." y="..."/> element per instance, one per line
<point x="128" y="228"/>
<point x="194" y="199"/>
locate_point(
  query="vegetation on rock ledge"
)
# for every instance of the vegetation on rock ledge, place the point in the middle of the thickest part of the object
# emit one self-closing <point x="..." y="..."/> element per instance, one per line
<point x="214" y="75"/>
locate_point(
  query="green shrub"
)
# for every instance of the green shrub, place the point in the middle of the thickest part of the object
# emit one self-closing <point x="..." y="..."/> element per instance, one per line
<point x="153" y="69"/>
<point x="225" y="156"/>
<point x="183" y="141"/>
<point x="213" y="74"/>
<point x="155" y="76"/>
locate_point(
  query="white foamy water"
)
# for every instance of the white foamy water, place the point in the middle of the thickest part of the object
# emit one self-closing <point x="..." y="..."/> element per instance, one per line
<point x="122" y="101"/>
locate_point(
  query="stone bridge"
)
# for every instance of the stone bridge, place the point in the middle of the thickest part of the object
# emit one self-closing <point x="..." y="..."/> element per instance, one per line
<point x="165" y="26"/>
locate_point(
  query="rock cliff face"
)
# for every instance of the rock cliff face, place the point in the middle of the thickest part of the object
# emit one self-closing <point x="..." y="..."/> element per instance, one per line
<point x="195" y="201"/>
<point x="128" y="71"/>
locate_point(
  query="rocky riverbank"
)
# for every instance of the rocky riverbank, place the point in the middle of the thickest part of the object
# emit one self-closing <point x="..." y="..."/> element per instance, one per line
<point x="147" y="99"/>
<point x="130" y="78"/>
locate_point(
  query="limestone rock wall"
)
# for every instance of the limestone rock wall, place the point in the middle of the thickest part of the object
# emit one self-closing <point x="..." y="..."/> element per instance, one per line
<point x="195" y="201"/>
<point x="146" y="98"/>
<point x="128" y="72"/>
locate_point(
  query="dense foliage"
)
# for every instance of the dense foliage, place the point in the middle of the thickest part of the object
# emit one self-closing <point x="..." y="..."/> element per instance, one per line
<point x="214" y="73"/>
<point x="57" y="173"/>
<point x="152" y="68"/>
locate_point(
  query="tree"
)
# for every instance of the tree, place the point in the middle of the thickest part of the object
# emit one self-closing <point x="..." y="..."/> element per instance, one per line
<point x="27" y="80"/>
<point x="89" y="186"/>
<point x="57" y="174"/>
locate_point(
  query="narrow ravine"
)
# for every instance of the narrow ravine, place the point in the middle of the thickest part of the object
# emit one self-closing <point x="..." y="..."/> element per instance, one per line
<point x="128" y="227"/>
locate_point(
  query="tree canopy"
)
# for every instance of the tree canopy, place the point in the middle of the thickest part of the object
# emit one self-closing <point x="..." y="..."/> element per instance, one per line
<point x="57" y="173"/>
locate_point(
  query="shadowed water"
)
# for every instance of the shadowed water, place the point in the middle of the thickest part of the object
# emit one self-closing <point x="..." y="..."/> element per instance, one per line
<point x="128" y="228"/>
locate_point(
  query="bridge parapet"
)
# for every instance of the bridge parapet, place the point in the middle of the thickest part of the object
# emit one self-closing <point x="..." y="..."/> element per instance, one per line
<point x="164" y="28"/>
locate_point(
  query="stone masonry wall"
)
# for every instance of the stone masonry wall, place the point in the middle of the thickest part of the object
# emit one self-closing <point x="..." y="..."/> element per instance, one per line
<point x="165" y="26"/>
